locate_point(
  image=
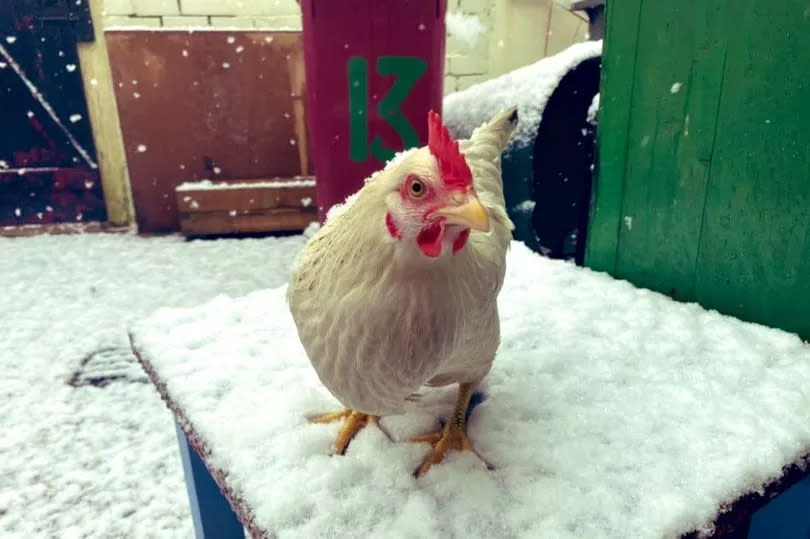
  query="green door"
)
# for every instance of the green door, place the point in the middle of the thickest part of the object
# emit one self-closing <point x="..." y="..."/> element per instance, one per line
<point x="704" y="155"/>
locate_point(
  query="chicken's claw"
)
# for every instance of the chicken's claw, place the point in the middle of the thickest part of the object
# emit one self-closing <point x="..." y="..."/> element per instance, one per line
<point x="354" y="422"/>
<point x="450" y="438"/>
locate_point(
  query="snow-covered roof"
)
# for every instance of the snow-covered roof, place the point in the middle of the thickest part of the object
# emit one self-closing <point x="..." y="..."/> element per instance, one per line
<point x="529" y="87"/>
<point x="610" y="411"/>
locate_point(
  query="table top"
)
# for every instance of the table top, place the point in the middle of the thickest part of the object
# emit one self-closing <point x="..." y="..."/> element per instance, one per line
<point x="610" y="411"/>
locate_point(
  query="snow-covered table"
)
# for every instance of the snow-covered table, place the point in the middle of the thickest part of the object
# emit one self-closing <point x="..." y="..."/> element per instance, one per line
<point x="610" y="412"/>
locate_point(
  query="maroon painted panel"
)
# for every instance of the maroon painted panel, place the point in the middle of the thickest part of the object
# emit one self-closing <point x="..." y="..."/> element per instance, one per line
<point x="212" y="104"/>
<point x="373" y="69"/>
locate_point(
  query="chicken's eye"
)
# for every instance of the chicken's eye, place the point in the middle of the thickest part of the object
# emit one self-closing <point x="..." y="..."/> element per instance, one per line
<point x="416" y="187"/>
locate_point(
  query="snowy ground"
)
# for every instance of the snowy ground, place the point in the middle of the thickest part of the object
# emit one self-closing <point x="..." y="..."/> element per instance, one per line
<point x="90" y="461"/>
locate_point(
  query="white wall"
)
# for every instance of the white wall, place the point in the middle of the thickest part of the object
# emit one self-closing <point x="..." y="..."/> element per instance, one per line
<point x="518" y="32"/>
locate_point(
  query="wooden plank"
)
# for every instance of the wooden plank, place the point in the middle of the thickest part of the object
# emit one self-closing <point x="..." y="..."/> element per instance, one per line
<point x="670" y="138"/>
<point x="245" y="198"/>
<point x="618" y="65"/>
<point x="216" y="223"/>
<point x="88" y="227"/>
<point x="754" y="259"/>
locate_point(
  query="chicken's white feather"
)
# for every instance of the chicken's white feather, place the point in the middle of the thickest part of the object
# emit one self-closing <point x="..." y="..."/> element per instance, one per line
<point x="377" y="318"/>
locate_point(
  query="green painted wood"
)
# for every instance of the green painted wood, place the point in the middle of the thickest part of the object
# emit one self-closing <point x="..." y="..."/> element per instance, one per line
<point x="618" y="65"/>
<point x="754" y="259"/>
<point x="704" y="192"/>
<point x="674" y="108"/>
<point x="518" y="180"/>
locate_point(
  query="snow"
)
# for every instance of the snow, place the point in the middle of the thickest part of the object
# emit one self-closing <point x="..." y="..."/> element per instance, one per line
<point x="529" y="87"/>
<point x="527" y="206"/>
<point x="101" y="462"/>
<point x="610" y="412"/>
<point x="593" y="110"/>
<point x="141" y="148"/>
<point x="204" y="185"/>
<point x="675" y="88"/>
<point x="71" y="67"/>
<point x="466" y="28"/>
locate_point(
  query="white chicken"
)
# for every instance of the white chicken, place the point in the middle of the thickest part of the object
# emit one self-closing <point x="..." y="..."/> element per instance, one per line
<point x="398" y="289"/>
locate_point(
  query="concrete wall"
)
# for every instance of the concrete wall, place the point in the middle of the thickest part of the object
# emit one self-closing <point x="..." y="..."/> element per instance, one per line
<point x="517" y="32"/>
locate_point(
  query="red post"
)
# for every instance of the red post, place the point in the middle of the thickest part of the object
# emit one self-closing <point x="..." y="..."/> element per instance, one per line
<point x="373" y="69"/>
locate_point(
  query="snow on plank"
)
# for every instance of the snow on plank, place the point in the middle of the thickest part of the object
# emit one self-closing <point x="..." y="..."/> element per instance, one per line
<point x="610" y="411"/>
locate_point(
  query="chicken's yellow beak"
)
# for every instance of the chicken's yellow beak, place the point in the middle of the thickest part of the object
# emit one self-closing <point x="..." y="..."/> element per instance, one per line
<point x="467" y="211"/>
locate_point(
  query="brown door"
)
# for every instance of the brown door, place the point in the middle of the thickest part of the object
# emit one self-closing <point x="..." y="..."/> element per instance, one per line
<point x="48" y="170"/>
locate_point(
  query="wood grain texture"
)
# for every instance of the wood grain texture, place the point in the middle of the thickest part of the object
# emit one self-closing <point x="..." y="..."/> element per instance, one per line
<point x="754" y="259"/>
<point x="704" y="157"/>
<point x="675" y="97"/>
<point x="210" y="104"/>
<point x="618" y="66"/>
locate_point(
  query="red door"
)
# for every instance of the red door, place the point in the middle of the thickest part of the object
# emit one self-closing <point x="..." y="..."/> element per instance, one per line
<point x="48" y="168"/>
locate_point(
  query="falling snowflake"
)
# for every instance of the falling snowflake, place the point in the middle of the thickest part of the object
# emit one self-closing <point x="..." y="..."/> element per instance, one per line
<point x="232" y="213"/>
<point x="79" y="216"/>
<point x="136" y="95"/>
<point x="286" y="114"/>
<point x="194" y="205"/>
<point x="11" y="39"/>
<point x="94" y="82"/>
<point x="231" y="39"/>
<point x="182" y="167"/>
<point x="306" y="201"/>
<point x="675" y="88"/>
<point x="89" y="184"/>
<point x="226" y="65"/>
<point x="268" y="39"/>
<point x="48" y="208"/>
<point x="134" y="82"/>
<point x="3" y="65"/>
<point x="3" y="164"/>
<point x="239" y="49"/>
<point x="18" y="212"/>
<point x="422" y="27"/>
<point x="141" y="148"/>
<point x="185" y="52"/>
<point x="500" y="43"/>
<point x="30" y="114"/>
<point x="71" y="68"/>
<point x="39" y="215"/>
<point x="217" y="170"/>
<point x="75" y="118"/>
<point x="292" y="141"/>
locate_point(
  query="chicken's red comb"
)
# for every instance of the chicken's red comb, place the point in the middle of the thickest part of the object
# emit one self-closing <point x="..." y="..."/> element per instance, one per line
<point x="452" y="165"/>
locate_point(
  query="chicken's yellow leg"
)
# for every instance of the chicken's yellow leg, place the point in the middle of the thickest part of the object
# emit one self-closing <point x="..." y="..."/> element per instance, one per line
<point x="452" y="437"/>
<point x="354" y="423"/>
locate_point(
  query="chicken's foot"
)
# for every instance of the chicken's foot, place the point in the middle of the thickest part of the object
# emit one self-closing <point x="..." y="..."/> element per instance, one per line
<point x="453" y="436"/>
<point x="353" y="423"/>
